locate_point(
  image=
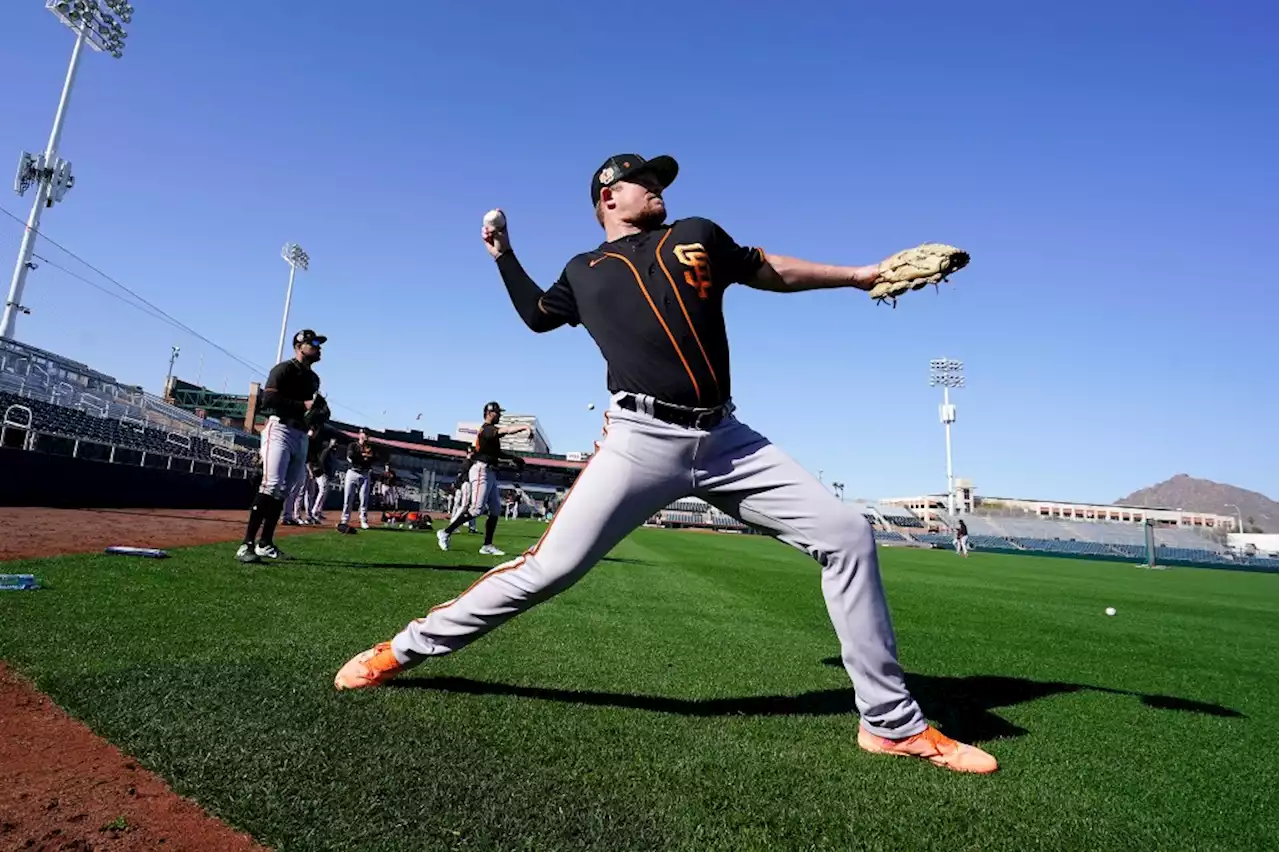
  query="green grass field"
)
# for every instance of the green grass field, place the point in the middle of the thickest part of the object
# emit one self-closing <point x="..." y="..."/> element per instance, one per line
<point x="682" y="696"/>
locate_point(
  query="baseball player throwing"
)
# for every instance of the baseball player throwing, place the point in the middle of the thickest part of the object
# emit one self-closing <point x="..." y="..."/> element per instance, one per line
<point x="483" y="460"/>
<point x="651" y="296"/>
<point x="293" y="405"/>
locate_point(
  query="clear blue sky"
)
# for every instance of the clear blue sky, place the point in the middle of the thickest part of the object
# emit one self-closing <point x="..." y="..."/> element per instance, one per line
<point x="1111" y="167"/>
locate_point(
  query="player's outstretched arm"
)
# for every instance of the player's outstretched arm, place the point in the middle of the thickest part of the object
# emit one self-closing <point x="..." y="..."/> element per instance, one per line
<point x="541" y="311"/>
<point x="782" y="274"/>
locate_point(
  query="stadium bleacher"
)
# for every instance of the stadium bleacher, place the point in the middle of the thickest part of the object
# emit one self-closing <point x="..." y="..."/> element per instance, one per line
<point x="48" y="418"/>
<point x="45" y="395"/>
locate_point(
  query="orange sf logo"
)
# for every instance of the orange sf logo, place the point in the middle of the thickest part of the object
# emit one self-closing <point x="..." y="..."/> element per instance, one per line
<point x="694" y="256"/>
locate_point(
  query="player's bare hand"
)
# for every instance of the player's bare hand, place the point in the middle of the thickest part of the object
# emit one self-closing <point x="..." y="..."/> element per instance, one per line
<point x="494" y="233"/>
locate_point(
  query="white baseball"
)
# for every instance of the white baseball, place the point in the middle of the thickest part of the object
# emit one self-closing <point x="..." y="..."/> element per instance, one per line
<point x="1111" y="610"/>
<point x="591" y="406"/>
<point x="495" y="219"/>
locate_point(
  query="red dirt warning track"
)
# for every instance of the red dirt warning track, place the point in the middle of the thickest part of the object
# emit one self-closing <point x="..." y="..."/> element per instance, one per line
<point x="32" y="532"/>
<point x="61" y="786"/>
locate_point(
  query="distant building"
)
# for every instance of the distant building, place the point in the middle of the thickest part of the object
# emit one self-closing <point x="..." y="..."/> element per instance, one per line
<point x="532" y="442"/>
<point x="930" y="507"/>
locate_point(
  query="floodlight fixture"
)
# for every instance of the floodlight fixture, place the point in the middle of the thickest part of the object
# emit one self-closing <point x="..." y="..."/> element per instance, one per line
<point x="948" y="374"/>
<point x="103" y="30"/>
<point x="297" y="259"/>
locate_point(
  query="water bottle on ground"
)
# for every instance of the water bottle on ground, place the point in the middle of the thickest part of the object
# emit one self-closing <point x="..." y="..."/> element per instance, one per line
<point x="18" y="582"/>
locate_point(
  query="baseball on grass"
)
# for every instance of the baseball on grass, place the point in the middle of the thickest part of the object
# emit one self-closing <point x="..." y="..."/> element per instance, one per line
<point x="495" y="219"/>
<point x="1110" y="610"/>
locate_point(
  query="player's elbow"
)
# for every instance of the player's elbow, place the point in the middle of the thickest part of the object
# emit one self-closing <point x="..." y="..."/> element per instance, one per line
<point x="770" y="277"/>
<point x="539" y="322"/>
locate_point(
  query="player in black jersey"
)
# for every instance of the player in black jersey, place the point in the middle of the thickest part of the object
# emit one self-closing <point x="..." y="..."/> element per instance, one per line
<point x="485" y="457"/>
<point x="651" y="296"/>
<point x="288" y="398"/>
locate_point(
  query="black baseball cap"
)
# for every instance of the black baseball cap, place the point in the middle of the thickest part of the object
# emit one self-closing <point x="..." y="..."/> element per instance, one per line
<point x="308" y="336"/>
<point x="492" y="406"/>
<point x="621" y="166"/>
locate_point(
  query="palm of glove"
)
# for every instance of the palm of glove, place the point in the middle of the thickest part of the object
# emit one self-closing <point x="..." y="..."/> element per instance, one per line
<point x="913" y="268"/>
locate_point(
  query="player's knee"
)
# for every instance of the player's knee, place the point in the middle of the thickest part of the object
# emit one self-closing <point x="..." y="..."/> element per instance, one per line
<point x="849" y="536"/>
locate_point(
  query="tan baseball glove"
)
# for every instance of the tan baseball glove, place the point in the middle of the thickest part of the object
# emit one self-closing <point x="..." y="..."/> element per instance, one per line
<point x="913" y="268"/>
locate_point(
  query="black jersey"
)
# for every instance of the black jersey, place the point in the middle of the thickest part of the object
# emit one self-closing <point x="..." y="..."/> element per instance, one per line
<point x="654" y="304"/>
<point x="360" y="459"/>
<point x="488" y="444"/>
<point x="290" y="384"/>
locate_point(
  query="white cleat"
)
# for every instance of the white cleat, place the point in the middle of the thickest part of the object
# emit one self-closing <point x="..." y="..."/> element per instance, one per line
<point x="364" y="525"/>
<point x="490" y="550"/>
<point x="268" y="551"/>
<point x="247" y="555"/>
<point x="442" y="538"/>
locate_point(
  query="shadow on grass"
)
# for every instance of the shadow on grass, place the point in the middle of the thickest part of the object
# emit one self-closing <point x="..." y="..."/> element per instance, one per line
<point x="961" y="706"/>
<point x="420" y="566"/>
<point x="401" y="566"/>
<point x="955" y="695"/>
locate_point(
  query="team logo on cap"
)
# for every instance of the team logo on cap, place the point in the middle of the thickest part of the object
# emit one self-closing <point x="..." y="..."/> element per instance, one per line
<point x="606" y="174"/>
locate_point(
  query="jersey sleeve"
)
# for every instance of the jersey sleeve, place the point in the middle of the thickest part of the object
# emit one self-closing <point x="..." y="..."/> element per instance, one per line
<point x="558" y="303"/>
<point x="486" y="432"/>
<point x="730" y="262"/>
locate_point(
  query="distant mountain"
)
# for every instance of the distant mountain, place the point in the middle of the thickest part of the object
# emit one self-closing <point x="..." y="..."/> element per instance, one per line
<point x="1202" y="495"/>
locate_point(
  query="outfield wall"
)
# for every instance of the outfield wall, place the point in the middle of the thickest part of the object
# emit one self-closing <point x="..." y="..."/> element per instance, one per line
<point x="62" y="482"/>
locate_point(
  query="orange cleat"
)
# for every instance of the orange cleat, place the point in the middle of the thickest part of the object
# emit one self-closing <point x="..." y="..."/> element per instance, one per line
<point x="369" y="668"/>
<point x="932" y="745"/>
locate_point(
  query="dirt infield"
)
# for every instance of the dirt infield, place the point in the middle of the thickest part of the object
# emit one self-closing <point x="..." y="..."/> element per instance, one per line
<point x="61" y="786"/>
<point x="33" y="532"/>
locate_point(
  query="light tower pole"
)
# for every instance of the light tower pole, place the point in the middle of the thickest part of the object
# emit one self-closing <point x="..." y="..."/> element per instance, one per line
<point x="297" y="259"/>
<point x="173" y="356"/>
<point x="47" y="172"/>
<point x="1239" y="517"/>
<point x="949" y="374"/>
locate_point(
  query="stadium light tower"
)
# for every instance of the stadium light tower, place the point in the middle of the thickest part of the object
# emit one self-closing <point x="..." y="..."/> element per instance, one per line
<point x="297" y="259"/>
<point x="949" y="374"/>
<point x="103" y="31"/>
<point x="1239" y="517"/>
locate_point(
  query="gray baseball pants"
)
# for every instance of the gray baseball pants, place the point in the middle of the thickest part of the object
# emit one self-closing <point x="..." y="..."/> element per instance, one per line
<point x="284" y="459"/>
<point x="461" y="500"/>
<point x="643" y="465"/>
<point x="322" y="492"/>
<point x="355" y="483"/>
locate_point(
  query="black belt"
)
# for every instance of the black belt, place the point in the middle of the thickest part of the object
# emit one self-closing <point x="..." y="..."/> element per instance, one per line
<point x="678" y="415"/>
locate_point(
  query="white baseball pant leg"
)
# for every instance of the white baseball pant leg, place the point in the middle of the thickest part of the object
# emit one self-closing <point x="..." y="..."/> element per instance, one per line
<point x="485" y="496"/>
<point x="355" y="482"/>
<point x="643" y="465"/>
<point x="284" y="458"/>
<point x="322" y="491"/>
